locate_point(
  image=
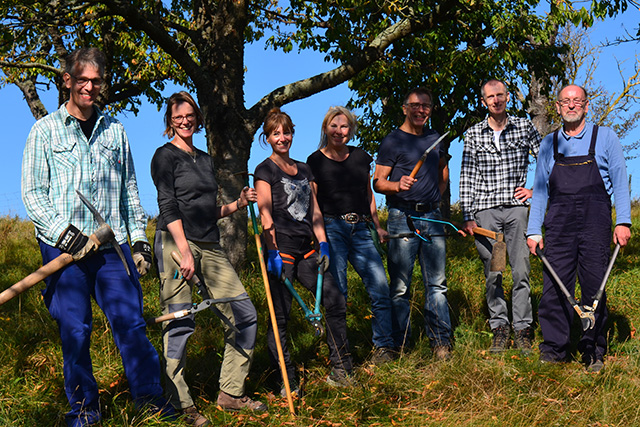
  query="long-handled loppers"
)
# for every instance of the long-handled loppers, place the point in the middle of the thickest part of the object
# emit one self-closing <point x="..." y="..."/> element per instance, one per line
<point x="207" y="302"/>
<point x="316" y="316"/>
<point x="600" y="292"/>
<point x="587" y="317"/>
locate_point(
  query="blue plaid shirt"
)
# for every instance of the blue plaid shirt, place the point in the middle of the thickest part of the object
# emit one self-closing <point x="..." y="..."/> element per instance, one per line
<point x="58" y="160"/>
<point x="490" y="174"/>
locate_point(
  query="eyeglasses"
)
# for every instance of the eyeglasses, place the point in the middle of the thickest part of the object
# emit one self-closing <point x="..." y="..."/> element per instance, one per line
<point x="179" y="119"/>
<point x="577" y="102"/>
<point x="81" y="81"/>
<point x="417" y="106"/>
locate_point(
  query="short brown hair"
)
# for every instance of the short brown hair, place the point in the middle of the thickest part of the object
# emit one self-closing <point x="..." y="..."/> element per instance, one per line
<point x="275" y="118"/>
<point x="493" y="82"/>
<point x="177" y="99"/>
<point x="82" y="57"/>
<point x="418" y="91"/>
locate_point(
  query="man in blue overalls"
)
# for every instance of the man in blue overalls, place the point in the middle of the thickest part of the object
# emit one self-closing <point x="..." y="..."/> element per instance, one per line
<point x="579" y="167"/>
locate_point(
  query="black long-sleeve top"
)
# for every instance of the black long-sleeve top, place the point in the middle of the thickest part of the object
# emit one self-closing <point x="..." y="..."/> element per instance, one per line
<point x="187" y="190"/>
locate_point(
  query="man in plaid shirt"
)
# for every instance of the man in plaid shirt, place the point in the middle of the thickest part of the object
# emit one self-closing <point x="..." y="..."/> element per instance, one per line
<point x="79" y="148"/>
<point x="495" y="161"/>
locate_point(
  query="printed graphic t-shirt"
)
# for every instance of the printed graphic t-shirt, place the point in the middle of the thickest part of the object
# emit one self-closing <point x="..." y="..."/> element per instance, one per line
<point x="290" y="198"/>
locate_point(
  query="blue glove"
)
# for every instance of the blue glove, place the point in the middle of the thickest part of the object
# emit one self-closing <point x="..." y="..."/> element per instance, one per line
<point x="274" y="263"/>
<point x="324" y="256"/>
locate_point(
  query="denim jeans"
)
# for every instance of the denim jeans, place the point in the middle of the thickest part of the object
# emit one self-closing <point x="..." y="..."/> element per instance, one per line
<point x="432" y="257"/>
<point x="353" y="243"/>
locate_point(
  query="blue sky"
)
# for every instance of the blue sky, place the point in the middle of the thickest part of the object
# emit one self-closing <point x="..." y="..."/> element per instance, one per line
<point x="267" y="70"/>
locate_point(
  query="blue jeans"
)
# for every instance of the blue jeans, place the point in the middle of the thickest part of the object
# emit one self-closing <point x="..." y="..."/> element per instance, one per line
<point x="432" y="258"/>
<point x="353" y="243"/>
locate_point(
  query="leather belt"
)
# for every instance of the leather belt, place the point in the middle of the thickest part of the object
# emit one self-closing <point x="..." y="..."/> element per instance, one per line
<point x="351" y="217"/>
<point x="416" y="206"/>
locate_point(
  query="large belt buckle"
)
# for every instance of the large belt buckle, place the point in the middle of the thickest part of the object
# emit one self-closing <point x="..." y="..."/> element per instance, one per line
<point x="422" y="207"/>
<point x="351" y="218"/>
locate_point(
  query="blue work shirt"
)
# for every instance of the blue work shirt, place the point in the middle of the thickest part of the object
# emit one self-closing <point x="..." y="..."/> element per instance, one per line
<point x="611" y="165"/>
<point x="59" y="159"/>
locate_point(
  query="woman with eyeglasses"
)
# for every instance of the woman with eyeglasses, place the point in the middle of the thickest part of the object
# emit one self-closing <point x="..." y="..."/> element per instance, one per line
<point x="297" y="246"/>
<point x="187" y="193"/>
<point x="345" y="197"/>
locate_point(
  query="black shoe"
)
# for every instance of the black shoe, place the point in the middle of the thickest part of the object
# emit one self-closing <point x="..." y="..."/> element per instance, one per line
<point x="294" y="388"/>
<point x="340" y="378"/>
<point x="595" y="366"/>
<point x="500" y="339"/>
<point x="382" y="355"/>
<point x="523" y="340"/>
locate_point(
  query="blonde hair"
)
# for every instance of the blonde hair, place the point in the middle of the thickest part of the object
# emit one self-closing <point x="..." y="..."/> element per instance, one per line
<point x="332" y="114"/>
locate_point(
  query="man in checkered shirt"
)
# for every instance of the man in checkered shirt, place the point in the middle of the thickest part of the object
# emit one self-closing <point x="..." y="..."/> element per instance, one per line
<point x="77" y="147"/>
<point x="495" y="161"/>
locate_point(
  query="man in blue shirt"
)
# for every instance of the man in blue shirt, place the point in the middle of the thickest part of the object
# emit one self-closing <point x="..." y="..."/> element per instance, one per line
<point x="417" y="197"/>
<point x="579" y="167"/>
<point x="79" y="148"/>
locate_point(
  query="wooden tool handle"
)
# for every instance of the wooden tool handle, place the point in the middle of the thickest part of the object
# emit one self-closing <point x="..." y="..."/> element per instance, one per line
<point x="486" y="233"/>
<point x="416" y="168"/>
<point x="46" y="270"/>
<point x="169" y="316"/>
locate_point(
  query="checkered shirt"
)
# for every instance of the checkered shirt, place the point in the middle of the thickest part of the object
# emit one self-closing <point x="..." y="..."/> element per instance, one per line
<point x="490" y="174"/>
<point x="58" y="160"/>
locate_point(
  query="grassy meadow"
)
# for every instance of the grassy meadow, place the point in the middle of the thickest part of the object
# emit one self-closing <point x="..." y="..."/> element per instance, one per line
<point x="473" y="388"/>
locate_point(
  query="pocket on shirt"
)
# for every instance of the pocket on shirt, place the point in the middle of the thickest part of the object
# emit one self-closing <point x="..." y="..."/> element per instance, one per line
<point x="64" y="157"/>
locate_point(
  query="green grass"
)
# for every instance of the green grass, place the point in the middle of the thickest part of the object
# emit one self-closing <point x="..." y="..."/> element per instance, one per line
<point x="473" y="388"/>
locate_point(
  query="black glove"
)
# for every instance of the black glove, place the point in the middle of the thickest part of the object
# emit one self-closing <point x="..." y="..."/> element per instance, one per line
<point x="142" y="256"/>
<point x="76" y="243"/>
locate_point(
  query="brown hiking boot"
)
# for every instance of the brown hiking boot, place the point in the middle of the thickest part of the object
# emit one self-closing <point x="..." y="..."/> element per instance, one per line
<point x="442" y="352"/>
<point x="523" y="340"/>
<point x="231" y="403"/>
<point x="192" y="417"/>
<point x="500" y="339"/>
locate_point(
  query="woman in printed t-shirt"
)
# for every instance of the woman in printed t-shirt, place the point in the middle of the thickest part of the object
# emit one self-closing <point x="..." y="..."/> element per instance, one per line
<point x="292" y="223"/>
<point x="346" y="200"/>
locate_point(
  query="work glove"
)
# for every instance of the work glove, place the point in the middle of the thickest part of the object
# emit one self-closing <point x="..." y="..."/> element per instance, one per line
<point x="324" y="256"/>
<point x="142" y="256"/>
<point x="274" y="262"/>
<point x="76" y="243"/>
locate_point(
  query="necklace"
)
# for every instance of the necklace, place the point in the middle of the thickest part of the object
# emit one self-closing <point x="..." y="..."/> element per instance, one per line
<point x="192" y="153"/>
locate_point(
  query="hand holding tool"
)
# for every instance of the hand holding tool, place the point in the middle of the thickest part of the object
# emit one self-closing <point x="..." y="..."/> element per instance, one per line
<point x="587" y="318"/>
<point x="142" y="256"/>
<point x="102" y="235"/>
<point x="274" y="263"/>
<point x="499" y="251"/>
<point x="324" y="256"/>
<point x="207" y="302"/>
<point x="423" y="158"/>
<point x="76" y="243"/>
<point x="272" y="313"/>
